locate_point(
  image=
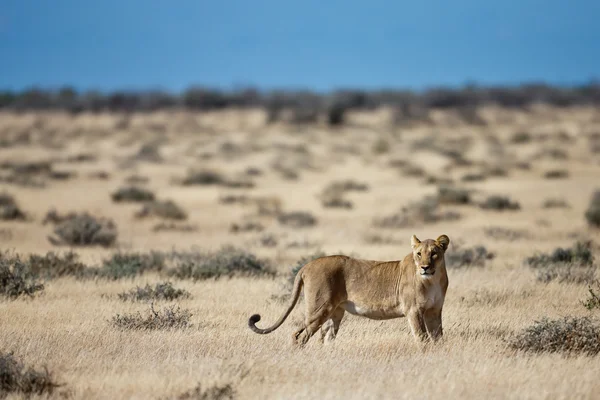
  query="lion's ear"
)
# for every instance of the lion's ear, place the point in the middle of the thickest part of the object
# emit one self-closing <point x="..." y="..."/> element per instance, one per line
<point x="414" y="241"/>
<point x="443" y="241"/>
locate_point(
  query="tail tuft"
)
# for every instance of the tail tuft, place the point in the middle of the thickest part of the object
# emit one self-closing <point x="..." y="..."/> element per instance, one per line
<point x="252" y="321"/>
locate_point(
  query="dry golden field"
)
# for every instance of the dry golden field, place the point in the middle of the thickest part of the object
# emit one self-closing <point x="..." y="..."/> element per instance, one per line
<point x="274" y="170"/>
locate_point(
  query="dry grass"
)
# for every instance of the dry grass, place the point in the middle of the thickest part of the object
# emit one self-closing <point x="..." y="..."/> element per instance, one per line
<point x="212" y="354"/>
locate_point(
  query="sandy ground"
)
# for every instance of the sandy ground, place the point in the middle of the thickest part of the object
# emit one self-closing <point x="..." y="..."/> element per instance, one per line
<point x="68" y="327"/>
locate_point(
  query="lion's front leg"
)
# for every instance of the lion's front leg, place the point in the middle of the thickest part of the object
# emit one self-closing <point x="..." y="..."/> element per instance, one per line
<point x="433" y="323"/>
<point x="417" y="325"/>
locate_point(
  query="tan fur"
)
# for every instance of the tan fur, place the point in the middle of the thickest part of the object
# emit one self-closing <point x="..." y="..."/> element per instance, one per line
<point x="414" y="287"/>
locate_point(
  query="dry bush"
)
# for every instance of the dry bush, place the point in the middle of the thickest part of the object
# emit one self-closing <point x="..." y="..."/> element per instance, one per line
<point x="166" y="209"/>
<point x="211" y="177"/>
<point x="100" y="175"/>
<point x="83" y="230"/>
<point x="297" y="219"/>
<point x="573" y="265"/>
<point x="203" y="177"/>
<point x="17" y="379"/>
<point x="592" y="214"/>
<point x="173" y="227"/>
<point x="149" y="152"/>
<point x="555" y="203"/>
<point x="453" y="195"/>
<point x="556" y="174"/>
<point x="500" y="233"/>
<point x="215" y="392"/>
<point x="52" y="265"/>
<point x="381" y="146"/>
<point x="468" y="257"/>
<point x="593" y="301"/>
<point x="129" y="265"/>
<point x="499" y="203"/>
<point x="438" y="180"/>
<point x="9" y="209"/>
<point x="413" y="171"/>
<point x="160" y="291"/>
<point x="333" y="195"/>
<point x="420" y="212"/>
<point x="229" y="261"/>
<point x="521" y="138"/>
<point x="132" y="194"/>
<point x="137" y="179"/>
<point x="234" y="199"/>
<point x="28" y="174"/>
<point x="249" y="226"/>
<point x="473" y="177"/>
<point x="168" y="318"/>
<point x="15" y="278"/>
<point x="570" y="335"/>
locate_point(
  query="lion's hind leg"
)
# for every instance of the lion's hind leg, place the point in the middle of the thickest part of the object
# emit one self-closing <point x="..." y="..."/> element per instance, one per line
<point x="314" y="321"/>
<point x="330" y="328"/>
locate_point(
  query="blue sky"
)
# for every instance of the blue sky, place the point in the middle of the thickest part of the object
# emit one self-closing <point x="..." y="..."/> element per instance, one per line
<point x="321" y="45"/>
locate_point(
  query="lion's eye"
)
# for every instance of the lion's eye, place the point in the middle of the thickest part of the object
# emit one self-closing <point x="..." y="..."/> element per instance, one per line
<point x="434" y="256"/>
<point x="419" y="254"/>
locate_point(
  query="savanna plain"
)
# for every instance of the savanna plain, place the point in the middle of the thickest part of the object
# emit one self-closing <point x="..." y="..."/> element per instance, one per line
<point x="136" y="246"/>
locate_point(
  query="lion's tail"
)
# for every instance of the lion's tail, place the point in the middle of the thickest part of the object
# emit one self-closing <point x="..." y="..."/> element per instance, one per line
<point x="298" y="282"/>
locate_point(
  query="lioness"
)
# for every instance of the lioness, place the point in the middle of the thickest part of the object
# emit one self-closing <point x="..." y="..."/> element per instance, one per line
<point x="414" y="287"/>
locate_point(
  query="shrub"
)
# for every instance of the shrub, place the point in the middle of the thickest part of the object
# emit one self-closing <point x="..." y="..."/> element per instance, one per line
<point x="168" y="318"/>
<point x="452" y="195"/>
<point x="15" y="278"/>
<point x="9" y="210"/>
<point x="173" y="227"/>
<point x="203" y="177"/>
<point x="592" y="215"/>
<point x="149" y="152"/>
<point x="593" y="301"/>
<point x="161" y="291"/>
<point x="381" y="146"/>
<point x="52" y="265"/>
<point x="565" y="265"/>
<point x="24" y="381"/>
<point x="473" y="177"/>
<point x="83" y="230"/>
<point x="128" y="265"/>
<point x="500" y="203"/>
<point x="500" y="233"/>
<point x="297" y="219"/>
<point x="249" y="226"/>
<point x="137" y="180"/>
<point x="521" y="138"/>
<point x="420" y="212"/>
<point x="335" y="200"/>
<point x="556" y="174"/>
<point x="166" y="209"/>
<point x="132" y="194"/>
<point x="571" y="335"/>
<point x="216" y="392"/>
<point x="468" y="257"/>
<point x="229" y="261"/>
<point x="555" y="203"/>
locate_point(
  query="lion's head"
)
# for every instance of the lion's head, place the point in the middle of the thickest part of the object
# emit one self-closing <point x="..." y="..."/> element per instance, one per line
<point x="429" y="254"/>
